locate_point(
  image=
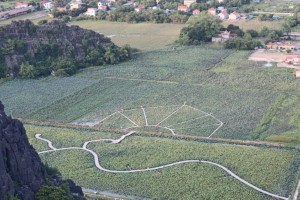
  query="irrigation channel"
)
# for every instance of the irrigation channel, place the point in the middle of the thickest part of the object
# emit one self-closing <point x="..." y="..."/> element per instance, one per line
<point x="117" y="141"/>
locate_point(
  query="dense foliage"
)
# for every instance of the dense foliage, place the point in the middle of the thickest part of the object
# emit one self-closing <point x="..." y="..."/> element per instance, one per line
<point x="201" y="29"/>
<point x="56" y="55"/>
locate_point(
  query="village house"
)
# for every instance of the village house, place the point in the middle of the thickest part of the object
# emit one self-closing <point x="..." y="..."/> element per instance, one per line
<point x="47" y="5"/>
<point x="223" y="37"/>
<point x="196" y="12"/>
<point x="183" y="8"/>
<point x="91" y="12"/>
<point x="103" y="3"/>
<point x="188" y="3"/>
<point x="223" y="15"/>
<point x="75" y="5"/>
<point x="283" y="46"/>
<point x="221" y="1"/>
<point x="103" y="8"/>
<point x="60" y="9"/>
<point x="234" y="16"/>
<point x="244" y="16"/>
<point x="293" y="60"/>
<point x="21" y="5"/>
<point x="139" y="8"/>
<point x="212" y="11"/>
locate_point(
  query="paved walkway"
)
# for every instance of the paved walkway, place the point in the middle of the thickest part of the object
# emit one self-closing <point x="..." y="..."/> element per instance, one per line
<point x="116" y="141"/>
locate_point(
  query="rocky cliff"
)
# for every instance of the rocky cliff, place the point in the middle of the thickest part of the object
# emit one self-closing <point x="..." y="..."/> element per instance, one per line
<point x="53" y="47"/>
<point x="21" y="171"/>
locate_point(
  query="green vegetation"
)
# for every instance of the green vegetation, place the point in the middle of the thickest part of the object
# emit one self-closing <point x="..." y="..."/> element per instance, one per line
<point x="54" y="192"/>
<point x="272" y="169"/>
<point x="144" y="36"/>
<point x="237" y="91"/>
<point x="200" y="29"/>
<point x="56" y="57"/>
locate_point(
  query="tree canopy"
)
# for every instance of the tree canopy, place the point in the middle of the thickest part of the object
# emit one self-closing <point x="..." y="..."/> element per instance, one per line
<point x="200" y="29"/>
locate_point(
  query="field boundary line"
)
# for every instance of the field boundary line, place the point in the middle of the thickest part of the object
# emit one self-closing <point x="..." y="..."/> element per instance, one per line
<point x="128" y="119"/>
<point x="170" y="114"/>
<point x="116" y="141"/>
<point x="148" y="133"/>
<point x="145" y="116"/>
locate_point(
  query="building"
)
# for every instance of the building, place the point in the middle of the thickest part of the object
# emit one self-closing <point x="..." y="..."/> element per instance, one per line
<point x="244" y="16"/>
<point x="183" y="8"/>
<point x="91" y="12"/>
<point x="223" y="37"/>
<point x="21" y="5"/>
<point x="60" y="9"/>
<point x="103" y="8"/>
<point x="139" y="8"/>
<point x="212" y="11"/>
<point x="234" y="16"/>
<point x="103" y="3"/>
<point x="221" y="1"/>
<point x="46" y="5"/>
<point x="283" y="46"/>
<point x="196" y="12"/>
<point x="188" y="3"/>
<point x="223" y="15"/>
<point x="75" y="5"/>
<point x="293" y="60"/>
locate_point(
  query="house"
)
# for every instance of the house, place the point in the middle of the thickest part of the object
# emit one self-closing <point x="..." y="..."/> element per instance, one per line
<point x="196" y="12"/>
<point x="46" y="4"/>
<point x="103" y="3"/>
<point x="60" y="9"/>
<point x="244" y="16"/>
<point x="220" y="8"/>
<point x="223" y="37"/>
<point x="75" y="5"/>
<point x="91" y="12"/>
<point x="103" y="8"/>
<point x="234" y="16"/>
<point x="139" y="8"/>
<point x="223" y="15"/>
<point x="221" y="1"/>
<point x="212" y="11"/>
<point x="293" y="60"/>
<point x="256" y="1"/>
<point x="21" y="5"/>
<point x="283" y="45"/>
<point x="183" y="8"/>
<point x="188" y="3"/>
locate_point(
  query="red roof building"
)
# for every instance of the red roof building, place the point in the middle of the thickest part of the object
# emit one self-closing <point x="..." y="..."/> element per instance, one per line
<point x="183" y="8"/>
<point x="21" y="5"/>
<point x="196" y="12"/>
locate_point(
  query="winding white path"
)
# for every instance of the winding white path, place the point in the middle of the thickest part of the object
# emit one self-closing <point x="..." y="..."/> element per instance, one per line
<point x="115" y="141"/>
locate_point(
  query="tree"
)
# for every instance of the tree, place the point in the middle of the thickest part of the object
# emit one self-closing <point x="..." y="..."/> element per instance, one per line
<point x="47" y="192"/>
<point x="27" y="71"/>
<point x="200" y="29"/>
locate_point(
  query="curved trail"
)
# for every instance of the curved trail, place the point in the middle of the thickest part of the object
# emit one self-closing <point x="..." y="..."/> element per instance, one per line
<point x="116" y="141"/>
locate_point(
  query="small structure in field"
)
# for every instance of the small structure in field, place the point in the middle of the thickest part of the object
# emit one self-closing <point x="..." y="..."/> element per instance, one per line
<point x="47" y="5"/>
<point x="60" y="9"/>
<point x="223" y="37"/>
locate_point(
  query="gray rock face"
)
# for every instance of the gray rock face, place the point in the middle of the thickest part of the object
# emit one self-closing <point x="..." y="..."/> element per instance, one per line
<point x="21" y="170"/>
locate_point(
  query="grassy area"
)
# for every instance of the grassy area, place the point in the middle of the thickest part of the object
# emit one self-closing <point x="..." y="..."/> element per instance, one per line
<point x="254" y="24"/>
<point x="236" y="91"/>
<point x="272" y="169"/>
<point x="144" y="36"/>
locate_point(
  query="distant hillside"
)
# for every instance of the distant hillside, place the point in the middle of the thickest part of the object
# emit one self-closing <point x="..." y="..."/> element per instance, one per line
<point x="31" y="51"/>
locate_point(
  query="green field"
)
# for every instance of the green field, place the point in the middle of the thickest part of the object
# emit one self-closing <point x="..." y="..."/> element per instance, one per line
<point x="205" y="94"/>
<point x="273" y="169"/>
<point x="144" y="36"/>
<point x="253" y="102"/>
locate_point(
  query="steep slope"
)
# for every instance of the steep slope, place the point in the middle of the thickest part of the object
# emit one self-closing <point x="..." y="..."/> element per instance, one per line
<point x="22" y="173"/>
